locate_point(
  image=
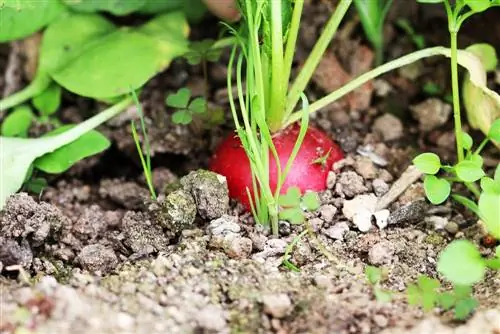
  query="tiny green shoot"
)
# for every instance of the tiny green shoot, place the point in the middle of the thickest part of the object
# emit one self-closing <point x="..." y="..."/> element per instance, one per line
<point x="185" y="107"/>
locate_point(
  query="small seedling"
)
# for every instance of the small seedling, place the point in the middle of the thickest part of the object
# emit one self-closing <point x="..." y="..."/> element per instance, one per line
<point x="289" y="248"/>
<point x="185" y="109"/>
<point x="375" y="277"/>
<point x="293" y="205"/>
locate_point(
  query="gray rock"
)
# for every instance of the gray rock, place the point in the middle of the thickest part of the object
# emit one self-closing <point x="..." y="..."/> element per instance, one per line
<point x="388" y="126"/>
<point x="431" y="114"/>
<point x="381" y="253"/>
<point x="284" y="228"/>
<point x="209" y="191"/>
<point x="277" y="305"/>
<point x="225" y="234"/>
<point x="452" y="227"/>
<point x="223" y="226"/>
<point x="380" y="187"/>
<point x="350" y="184"/>
<point x="142" y="235"/>
<point x="327" y="212"/>
<point x="337" y="231"/>
<point x="411" y="213"/>
<point x="239" y="248"/>
<point x="176" y="211"/>
<point x="273" y="247"/>
<point x="97" y="257"/>
<point x="12" y="253"/>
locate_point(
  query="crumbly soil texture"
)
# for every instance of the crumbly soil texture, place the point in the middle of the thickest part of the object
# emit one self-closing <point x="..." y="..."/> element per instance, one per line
<point x="93" y="253"/>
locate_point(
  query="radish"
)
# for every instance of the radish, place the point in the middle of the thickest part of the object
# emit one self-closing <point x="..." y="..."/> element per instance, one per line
<point x="308" y="172"/>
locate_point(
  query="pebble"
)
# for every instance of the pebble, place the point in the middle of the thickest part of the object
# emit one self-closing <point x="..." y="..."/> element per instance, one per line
<point x="277" y="305"/>
<point x="337" y="231"/>
<point x="380" y="187"/>
<point x="431" y="114"/>
<point x="388" y="126"/>
<point x="380" y="320"/>
<point x="410" y="213"/>
<point x="327" y="212"/>
<point x="365" y="167"/>
<point x="381" y="253"/>
<point x="437" y="222"/>
<point x="239" y="248"/>
<point x="350" y="184"/>
<point x="97" y="258"/>
<point x="284" y="228"/>
<point x="451" y="227"/>
<point x="360" y="210"/>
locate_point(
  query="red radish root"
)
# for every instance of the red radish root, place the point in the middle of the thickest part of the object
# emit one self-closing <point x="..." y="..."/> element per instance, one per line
<point x="308" y="172"/>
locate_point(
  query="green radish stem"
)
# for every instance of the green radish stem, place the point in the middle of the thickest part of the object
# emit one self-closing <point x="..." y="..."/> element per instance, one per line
<point x="38" y="85"/>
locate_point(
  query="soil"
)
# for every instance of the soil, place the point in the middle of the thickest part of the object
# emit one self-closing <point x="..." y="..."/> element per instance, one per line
<point x="94" y="254"/>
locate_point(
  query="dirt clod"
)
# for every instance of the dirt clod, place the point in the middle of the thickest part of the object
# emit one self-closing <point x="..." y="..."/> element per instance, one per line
<point x="277" y="305"/>
<point x="389" y="127"/>
<point x="350" y="184"/>
<point x="431" y="114"/>
<point x="142" y="235"/>
<point x="97" y="258"/>
<point x="175" y="212"/>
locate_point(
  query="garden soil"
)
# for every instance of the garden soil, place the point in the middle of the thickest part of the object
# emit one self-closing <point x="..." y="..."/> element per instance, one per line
<point x="94" y="254"/>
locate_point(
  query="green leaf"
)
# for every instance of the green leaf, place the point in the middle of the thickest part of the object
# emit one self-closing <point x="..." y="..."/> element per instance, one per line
<point x="19" y="19"/>
<point x="372" y="19"/>
<point x="476" y="159"/>
<point x="18" y="122"/>
<point x="311" y="201"/>
<point x="180" y="99"/>
<point x="465" y="307"/>
<point x="490" y="212"/>
<point x="478" y="5"/>
<point x="115" y="7"/>
<point x="36" y="185"/>
<point x="496" y="177"/>
<point x="291" y="198"/>
<point x="462" y="291"/>
<point x="497" y="252"/>
<point x="486" y="54"/>
<point x="148" y="49"/>
<point x="48" y="101"/>
<point x="494" y="132"/>
<point x="446" y="300"/>
<point x="493" y="263"/>
<point x="198" y="105"/>
<point x="182" y="117"/>
<point x="63" y="158"/>
<point x="461" y="263"/>
<point x="437" y="190"/>
<point x="382" y="295"/>
<point x="467" y="203"/>
<point x="373" y="274"/>
<point x="423" y="293"/>
<point x="293" y="215"/>
<point x="467" y="141"/>
<point x="469" y="171"/>
<point x="18" y="154"/>
<point x="428" y="163"/>
<point x="489" y="185"/>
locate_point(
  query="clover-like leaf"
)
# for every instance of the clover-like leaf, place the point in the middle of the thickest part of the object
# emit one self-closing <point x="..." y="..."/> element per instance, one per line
<point x="469" y="171"/>
<point x="476" y="159"/>
<point x="291" y="198"/>
<point x="437" y="190"/>
<point x="198" y="105"/>
<point x="461" y="263"/>
<point x="182" y="117"/>
<point x="310" y="200"/>
<point x="49" y="100"/>
<point x="490" y="212"/>
<point x="467" y="141"/>
<point x="294" y="215"/>
<point x="18" y="122"/>
<point x="180" y="99"/>
<point x="428" y="163"/>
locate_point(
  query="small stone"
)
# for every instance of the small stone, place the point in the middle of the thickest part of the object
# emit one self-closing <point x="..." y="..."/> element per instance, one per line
<point x="380" y="320"/>
<point x="209" y="191"/>
<point x="381" y="253"/>
<point x="331" y="179"/>
<point x="437" y="222"/>
<point x="382" y="87"/>
<point x="130" y="195"/>
<point x="380" y="187"/>
<point x="211" y="318"/>
<point x="239" y="248"/>
<point x="360" y="210"/>
<point x="451" y="228"/>
<point x="350" y="184"/>
<point x="277" y="305"/>
<point x="411" y="213"/>
<point x="385" y="176"/>
<point x="284" y="228"/>
<point x="327" y="212"/>
<point x="224" y="225"/>
<point x="431" y="114"/>
<point x="97" y="257"/>
<point x="142" y="235"/>
<point x="389" y="127"/>
<point x="365" y="167"/>
<point x="176" y="212"/>
<point x="322" y="281"/>
<point x="337" y="231"/>
<point x="316" y="223"/>
<point x="381" y="218"/>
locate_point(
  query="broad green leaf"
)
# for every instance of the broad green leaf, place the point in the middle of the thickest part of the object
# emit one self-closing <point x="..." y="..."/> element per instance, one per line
<point x="18" y="154"/>
<point x="291" y="198"/>
<point x="476" y="159"/>
<point x="180" y="99"/>
<point x="198" y="105"/>
<point x="49" y="100"/>
<point x="428" y="163"/>
<point x="489" y="206"/>
<point x="437" y="190"/>
<point x="494" y="132"/>
<point x="293" y="215"/>
<point x="461" y="263"/>
<point x="311" y="201"/>
<point x="115" y="7"/>
<point x="469" y="204"/>
<point x="469" y="171"/>
<point x="64" y="157"/>
<point x="478" y="5"/>
<point x="467" y="141"/>
<point x="18" y="122"/>
<point x="182" y="117"/>
<point x="481" y="103"/>
<point x="21" y="18"/>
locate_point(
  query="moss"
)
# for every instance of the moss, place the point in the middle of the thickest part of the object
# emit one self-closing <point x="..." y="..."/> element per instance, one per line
<point x="434" y="239"/>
